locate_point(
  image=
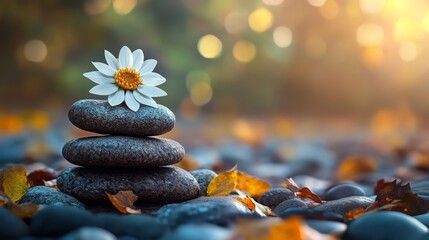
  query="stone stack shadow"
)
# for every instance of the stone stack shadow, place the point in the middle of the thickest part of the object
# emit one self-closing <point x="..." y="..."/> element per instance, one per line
<point x="129" y="157"/>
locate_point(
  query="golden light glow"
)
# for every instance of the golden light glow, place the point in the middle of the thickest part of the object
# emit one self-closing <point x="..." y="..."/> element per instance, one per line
<point x="201" y="93"/>
<point x="373" y="57"/>
<point x="235" y="22"/>
<point x="330" y="9"/>
<point x="35" y="51"/>
<point x="244" y="51"/>
<point x="315" y="47"/>
<point x="195" y="77"/>
<point x="425" y="22"/>
<point x="369" y="35"/>
<point x="124" y="7"/>
<point x="408" y="51"/>
<point x="372" y="6"/>
<point x="273" y="2"/>
<point x="405" y="29"/>
<point x="316" y="3"/>
<point x="282" y="37"/>
<point x="127" y="78"/>
<point x="260" y="20"/>
<point x="210" y="46"/>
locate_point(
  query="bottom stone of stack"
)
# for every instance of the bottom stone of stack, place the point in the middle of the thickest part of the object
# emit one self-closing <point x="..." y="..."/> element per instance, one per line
<point x="166" y="184"/>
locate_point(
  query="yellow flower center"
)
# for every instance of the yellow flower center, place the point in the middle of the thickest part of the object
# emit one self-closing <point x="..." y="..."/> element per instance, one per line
<point x="128" y="78"/>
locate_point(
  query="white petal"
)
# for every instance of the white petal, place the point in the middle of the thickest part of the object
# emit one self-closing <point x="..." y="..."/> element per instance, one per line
<point x="138" y="57"/>
<point x="131" y="101"/>
<point x="104" y="68"/>
<point x="152" y="79"/>
<point x="151" y="91"/>
<point x="125" y="57"/>
<point x="145" y="100"/>
<point x="111" y="60"/>
<point x="98" y="78"/>
<point x="148" y="66"/>
<point x="104" y="89"/>
<point x="116" y="98"/>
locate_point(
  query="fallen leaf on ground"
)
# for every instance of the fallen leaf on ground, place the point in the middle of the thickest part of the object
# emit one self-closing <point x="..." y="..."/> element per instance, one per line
<point x="353" y="167"/>
<point x="223" y="184"/>
<point x="38" y="177"/>
<point x="301" y="192"/>
<point x="292" y="227"/>
<point x="255" y="187"/>
<point x="253" y="205"/>
<point x="124" y="202"/>
<point x="13" y="182"/>
<point x="246" y="201"/>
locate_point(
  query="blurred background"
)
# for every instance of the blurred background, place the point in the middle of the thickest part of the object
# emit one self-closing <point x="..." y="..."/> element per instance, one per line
<point x="248" y="70"/>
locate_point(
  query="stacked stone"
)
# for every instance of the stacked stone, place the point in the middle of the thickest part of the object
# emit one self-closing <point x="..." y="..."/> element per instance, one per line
<point x="129" y="157"/>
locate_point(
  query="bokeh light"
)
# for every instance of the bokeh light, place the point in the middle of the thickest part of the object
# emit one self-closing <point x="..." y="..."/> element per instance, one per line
<point x="201" y="93"/>
<point x="195" y="77"/>
<point x="124" y="7"/>
<point x="408" y="51"/>
<point x="273" y="2"/>
<point x="210" y="46"/>
<point x="35" y="51"/>
<point x="244" y="51"/>
<point x="260" y="20"/>
<point x="369" y="34"/>
<point x="316" y="3"/>
<point x="330" y="9"/>
<point x="93" y="7"/>
<point x="282" y="37"/>
<point x="372" y="6"/>
<point x="235" y="22"/>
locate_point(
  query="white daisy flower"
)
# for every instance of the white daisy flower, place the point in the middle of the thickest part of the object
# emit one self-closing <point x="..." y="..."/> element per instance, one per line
<point x="128" y="78"/>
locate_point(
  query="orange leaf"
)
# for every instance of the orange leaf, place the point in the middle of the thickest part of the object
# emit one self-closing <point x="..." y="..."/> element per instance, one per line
<point x="253" y="205"/>
<point x="13" y="182"/>
<point x="252" y="185"/>
<point x="353" y="167"/>
<point x="124" y="202"/>
<point x="305" y="192"/>
<point x="354" y="213"/>
<point x="246" y="201"/>
<point x="292" y="227"/>
<point x="223" y="184"/>
<point x="291" y="185"/>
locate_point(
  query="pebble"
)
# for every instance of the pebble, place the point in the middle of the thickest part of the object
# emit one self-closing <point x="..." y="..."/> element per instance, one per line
<point x="311" y="213"/>
<point x="327" y="227"/>
<point x="290" y="203"/>
<point x="55" y="221"/>
<point x="49" y="196"/>
<point x="197" y="231"/>
<point x="203" y="177"/>
<point x="157" y="185"/>
<point x="275" y="196"/>
<point x="11" y="227"/>
<point x="343" y="190"/>
<point x="139" y="226"/>
<point x="89" y="233"/>
<point x="123" y="151"/>
<point x="423" y="218"/>
<point x="343" y="205"/>
<point x="98" y="116"/>
<point x="214" y="210"/>
<point x="385" y="225"/>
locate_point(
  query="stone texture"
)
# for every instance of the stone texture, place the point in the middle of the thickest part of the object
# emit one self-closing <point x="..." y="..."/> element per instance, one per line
<point x="203" y="177"/>
<point x="49" y="196"/>
<point x="275" y="196"/>
<point x="123" y="151"/>
<point x="156" y="185"/>
<point x="343" y="190"/>
<point x="98" y="116"/>
<point x="343" y="205"/>
<point x="290" y="203"/>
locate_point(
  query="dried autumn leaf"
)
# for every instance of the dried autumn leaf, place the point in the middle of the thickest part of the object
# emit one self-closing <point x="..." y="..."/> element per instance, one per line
<point x="252" y="185"/>
<point x="13" y="182"/>
<point x="291" y="185"/>
<point x="223" y="184"/>
<point x="303" y="192"/>
<point x="292" y="227"/>
<point x="38" y="177"/>
<point x="354" y="213"/>
<point x="124" y="202"/>
<point x="246" y="201"/>
<point x="253" y="205"/>
<point x="353" y="167"/>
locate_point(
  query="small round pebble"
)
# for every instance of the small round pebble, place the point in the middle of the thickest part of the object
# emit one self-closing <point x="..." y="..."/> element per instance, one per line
<point x="140" y="226"/>
<point x="55" y="221"/>
<point x="343" y="205"/>
<point x="49" y="196"/>
<point x="327" y="227"/>
<point x="343" y="190"/>
<point x="290" y="203"/>
<point x="197" y="231"/>
<point x="385" y="225"/>
<point x="156" y="185"/>
<point x="89" y="233"/>
<point x="275" y="196"/>
<point x="11" y="227"/>
<point x="98" y="116"/>
<point x="123" y="151"/>
<point x="203" y="177"/>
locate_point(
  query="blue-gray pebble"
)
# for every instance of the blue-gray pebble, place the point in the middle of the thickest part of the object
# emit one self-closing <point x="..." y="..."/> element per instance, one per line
<point x="123" y="151"/>
<point x="11" y="227"/>
<point x="49" y="196"/>
<point x="98" y="116"/>
<point x="89" y="233"/>
<point x="343" y="190"/>
<point x="343" y="205"/>
<point x="165" y="184"/>
<point x="203" y="177"/>
<point x="385" y="225"/>
<point x="275" y="196"/>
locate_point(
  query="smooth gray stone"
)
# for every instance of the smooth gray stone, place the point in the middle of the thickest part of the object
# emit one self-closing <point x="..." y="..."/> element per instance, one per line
<point x="275" y="196"/>
<point x="49" y="196"/>
<point x="89" y="233"/>
<point x="166" y="184"/>
<point x="123" y="151"/>
<point x="199" y="232"/>
<point x="327" y="227"/>
<point x="98" y="116"/>
<point x="343" y="205"/>
<point x="290" y="203"/>
<point x="203" y="177"/>
<point x="11" y="227"/>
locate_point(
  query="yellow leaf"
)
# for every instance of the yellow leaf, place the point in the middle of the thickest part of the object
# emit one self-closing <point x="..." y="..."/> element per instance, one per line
<point x="223" y="184"/>
<point x="291" y="228"/>
<point x="124" y="202"/>
<point x="13" y="182"/>
<point x="255" y="187"/>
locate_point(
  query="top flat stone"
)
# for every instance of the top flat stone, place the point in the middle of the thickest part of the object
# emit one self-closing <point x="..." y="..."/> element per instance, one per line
<point x="99" y="117"/>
